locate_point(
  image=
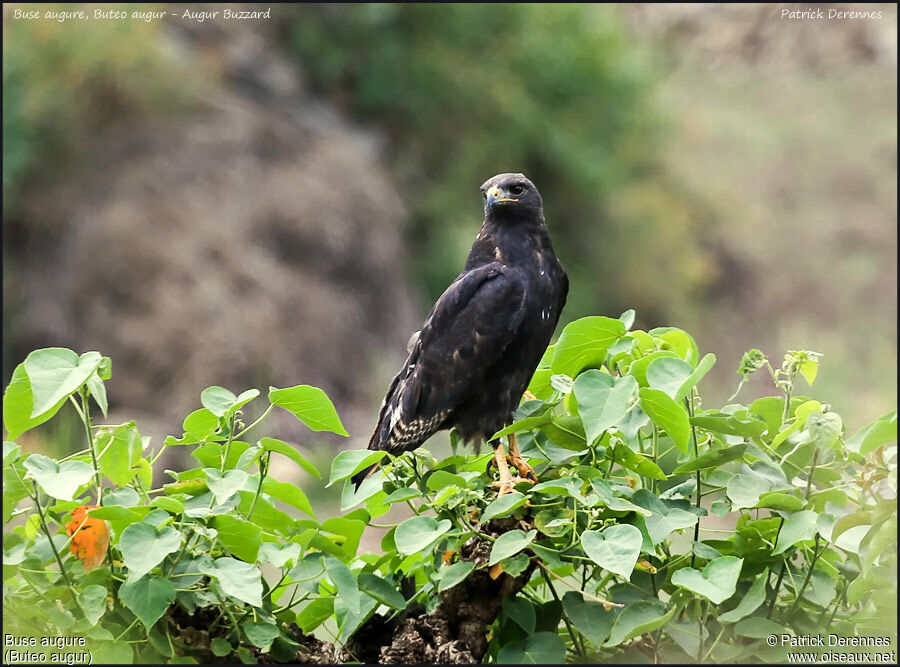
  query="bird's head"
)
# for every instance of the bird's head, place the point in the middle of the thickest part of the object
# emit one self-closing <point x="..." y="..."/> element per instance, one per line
<point x="510" y="195"/>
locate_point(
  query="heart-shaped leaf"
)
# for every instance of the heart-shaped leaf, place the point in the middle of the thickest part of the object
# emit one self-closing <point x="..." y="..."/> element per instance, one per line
<point x="716" y="583"/>
<point x="543" y="648"/>
<point x="56" y="372"/>
<point x="665" y="518"/>
<point x="750" y="602"/>
<point x="222" y="403"/>
<point x="58" y="480"/>
<point x="310" y="405"/>
<point x="591" y="618"/>
<point x="509" y="544"/>
<point x="668" y="374"/>
<point x="602" y="401"/>
<point x="237" y="579"/>
<point x="351" y="461"/>
<point x="668" y="415"/>
<point x="797" y="528"/>
<point x="503" y="505"/>
<point x="148" y="597"/>
<point x="144" y="546"/>
<point x="454" y="574"/>
<point x="637" y="619"/>
<point x="616" y="549"/>
<point x="583" y="344"/>
<point x="224" y="486"/>
<point x="418" y="532"/>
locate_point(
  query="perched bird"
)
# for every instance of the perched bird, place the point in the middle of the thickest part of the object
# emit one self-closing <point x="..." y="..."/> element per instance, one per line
<point x="477" y="350"/>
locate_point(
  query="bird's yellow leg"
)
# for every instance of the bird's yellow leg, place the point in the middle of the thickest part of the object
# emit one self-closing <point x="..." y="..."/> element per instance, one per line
<point x="507" y="481"/>
<point x="515" y="458"/>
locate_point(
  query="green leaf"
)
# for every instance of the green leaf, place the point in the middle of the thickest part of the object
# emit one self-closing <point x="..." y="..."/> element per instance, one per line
<point x="583" y="344"/>
<point x="224" y="486"/>
<point x="119" y="451"/>
<point x="638" y="618"/>
<point x="801" y="413"/>
<point x="824" y="429"/>
<point x="879" y="432"/>
<point x="279" y="555"/>
<point x="55" y="373"/>
<point x="237" y="579"/>
<point x="288" y="493"/>
<point x="281" y="447"/>
<point x="745" y="490"/>
<point x="17" y="403"/>
<point x="758" y="627"/>
<point x="750" y="602"/>
<point x="381" y="589"/>
<point x="526" y="424"/>
<point x="630" y="459"/>
<point x="92" y="601"/>
<point x="222" y="403"/>
<point x="668" y="374"/>
<point x="170" y="505"/>
<point x="419" y="532"/>
<point x="509" y="544"/>
<point x="259" y="634"/>
<point x="705" y="365"/>
<point x="521" y="611"/>
<point x="716" y="583"/>
<point x="638" y="368"/>
<point x="351" y="461"/>
<point x="616" y="549"/>
<point x="148" y="597"/>
<point x="311" y="406"/>
<point x="503" y="505"/>
<point x="144" y="546"/>
<point x="564" y="486"/>
<point x="797" y="528"/>
<point x="602" y="401"/>
<point x="543" y="648"/>
<point x="449" y="576"/>
<point x="668" y="415"/>
<point x="58" y="480"/>
<point x="399" y="495"/>
<point x="730" y="425"/>
<point x="343" y="579"/>
<point x="315" y="613"/>
<point x="776" y="500"/>
<point x="664" y="518"/>
<point x="239" y="536"/>
<point x="200" y="424"/>
<point x="98" y="391"/>
<point x="591" y="618"/>
<point x="680" y="341"/>
<point x="849" y="521"/>
<point x="712" y="459"/>
<point x="220" y="647"/>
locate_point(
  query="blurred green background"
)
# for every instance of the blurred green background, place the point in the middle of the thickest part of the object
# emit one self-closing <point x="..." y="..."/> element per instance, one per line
<point x="279" y="201"/>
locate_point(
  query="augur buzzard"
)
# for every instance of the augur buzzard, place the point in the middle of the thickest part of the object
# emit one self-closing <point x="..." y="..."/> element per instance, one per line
<point x="475" y="355"/>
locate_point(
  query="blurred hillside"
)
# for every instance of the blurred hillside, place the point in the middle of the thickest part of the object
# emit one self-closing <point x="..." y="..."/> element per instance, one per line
<point x="280" y="202"/>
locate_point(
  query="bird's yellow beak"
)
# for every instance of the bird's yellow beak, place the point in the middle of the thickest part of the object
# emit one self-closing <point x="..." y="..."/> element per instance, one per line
<point x="495" y="196"/>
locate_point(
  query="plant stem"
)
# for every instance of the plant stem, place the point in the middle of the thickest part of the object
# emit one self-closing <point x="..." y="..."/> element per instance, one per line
<point x="578" y="647"/>
<point x="43" y="520"/>
<point x="86" y="419"/>
<point x="605" y="603"/>
<point x="780" y="574"/>
<point x="263" y="469"/>
<point x="809" y="571"/>
<point x="812" y="469"/>
<point x="255" y="423"/>
<point x="689" y="403"/>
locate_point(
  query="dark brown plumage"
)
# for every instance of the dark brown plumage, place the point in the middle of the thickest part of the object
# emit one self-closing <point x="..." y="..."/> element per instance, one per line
<point x="479" y="346"/>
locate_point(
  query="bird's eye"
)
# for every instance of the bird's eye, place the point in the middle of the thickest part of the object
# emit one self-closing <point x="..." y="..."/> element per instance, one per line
<point x="516" y="189"/>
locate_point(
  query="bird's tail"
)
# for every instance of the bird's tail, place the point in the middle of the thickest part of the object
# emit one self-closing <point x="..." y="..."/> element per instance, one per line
<point x="363" y="475"/>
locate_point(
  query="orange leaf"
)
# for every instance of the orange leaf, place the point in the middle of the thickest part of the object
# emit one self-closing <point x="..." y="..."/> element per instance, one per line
<point x="495" y="571"/>
<point x="90" y="537"/>
<point x="447" y="556"/>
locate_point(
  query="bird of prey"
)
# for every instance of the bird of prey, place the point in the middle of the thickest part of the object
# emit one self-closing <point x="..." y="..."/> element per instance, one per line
<point x="476" y="352"/>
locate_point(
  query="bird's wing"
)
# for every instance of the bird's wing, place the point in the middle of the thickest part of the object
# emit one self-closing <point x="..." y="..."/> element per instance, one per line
<point x="465" y="333"/>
